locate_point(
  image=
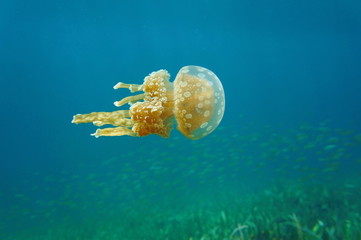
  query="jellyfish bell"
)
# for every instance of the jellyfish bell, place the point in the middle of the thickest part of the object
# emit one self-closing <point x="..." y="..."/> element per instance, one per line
<point x="199" y="101"/>
<point x="195" y="102"/>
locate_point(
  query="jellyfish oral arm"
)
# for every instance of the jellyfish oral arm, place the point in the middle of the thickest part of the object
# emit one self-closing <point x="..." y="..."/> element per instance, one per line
<point x="132" y="87"/>
<point x="117" y="131"/>
<point x="150" y="112"/>
<point x="129" y="99"/>
<point x="116" y="118"/>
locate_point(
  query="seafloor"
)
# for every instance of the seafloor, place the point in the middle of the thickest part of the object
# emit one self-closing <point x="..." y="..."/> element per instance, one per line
<point x="259" y="183"/>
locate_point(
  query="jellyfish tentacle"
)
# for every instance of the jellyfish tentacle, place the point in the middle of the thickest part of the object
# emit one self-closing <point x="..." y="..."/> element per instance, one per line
<point x="121" y="122"/>
<point x="116" y="118"/>
<point x="132" y="87"/>
<point x="129" y="99"/>
<point x="118" y="131"/>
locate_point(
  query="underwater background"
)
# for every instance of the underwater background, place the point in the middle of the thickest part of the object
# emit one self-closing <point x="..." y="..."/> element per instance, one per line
<point x="285" y="162"/>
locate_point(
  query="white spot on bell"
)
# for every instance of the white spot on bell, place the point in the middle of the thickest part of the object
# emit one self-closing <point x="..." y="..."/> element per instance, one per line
<point x="187" y="94"/>
<point x="201" y="75"/>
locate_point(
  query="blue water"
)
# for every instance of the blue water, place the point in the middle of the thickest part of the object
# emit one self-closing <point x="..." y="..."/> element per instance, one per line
<point x="282" y="64"/>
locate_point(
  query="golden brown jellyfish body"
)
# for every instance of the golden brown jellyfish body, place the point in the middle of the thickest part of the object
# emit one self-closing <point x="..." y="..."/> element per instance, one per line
<point x="195" y="102"/>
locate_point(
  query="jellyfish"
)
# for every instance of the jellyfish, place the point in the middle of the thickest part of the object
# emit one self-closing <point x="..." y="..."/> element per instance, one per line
<point x="195" y="102"/>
